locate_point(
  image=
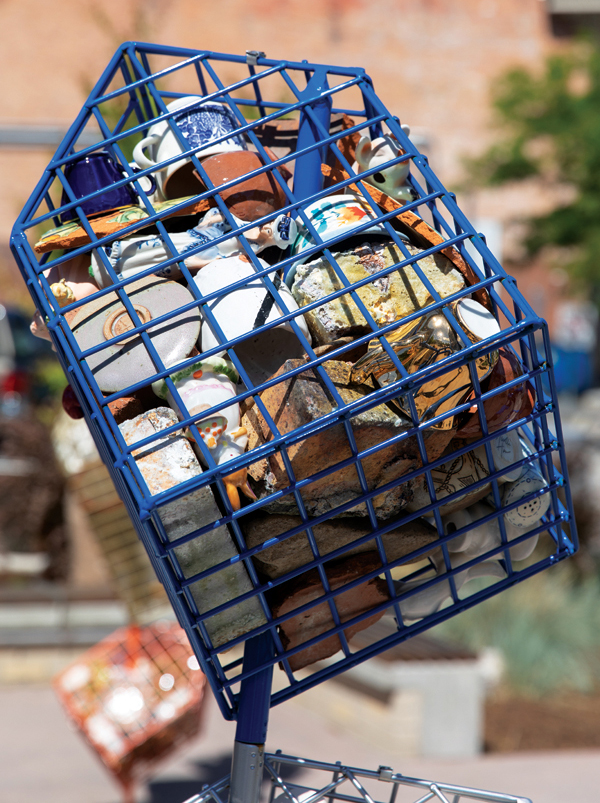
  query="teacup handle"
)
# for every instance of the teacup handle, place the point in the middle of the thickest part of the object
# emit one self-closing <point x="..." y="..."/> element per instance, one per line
<point x="140" y="157"/>
<point x="150" y="178"/>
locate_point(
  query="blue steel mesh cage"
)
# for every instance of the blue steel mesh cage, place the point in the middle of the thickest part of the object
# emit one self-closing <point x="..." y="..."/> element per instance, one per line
<point x="360" y="484"/>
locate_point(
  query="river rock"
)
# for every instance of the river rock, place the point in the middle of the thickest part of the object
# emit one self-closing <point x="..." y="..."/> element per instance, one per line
<point x="388" y="298"/>
<point x="170" y="461"/>
<point x="295" y="551"/>
<point x="303" y="399"/>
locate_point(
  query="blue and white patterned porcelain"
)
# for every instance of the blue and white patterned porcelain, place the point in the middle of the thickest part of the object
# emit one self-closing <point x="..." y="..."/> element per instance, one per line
<point x="132" y="255"/>
<point x="200" y="124"/>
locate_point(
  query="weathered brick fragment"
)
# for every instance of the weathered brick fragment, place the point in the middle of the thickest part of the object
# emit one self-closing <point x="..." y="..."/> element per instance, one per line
<point x="319" y="619"/>
<point x="303" y="399"/>
<point x="293" y="552"/>
<point x="165" y="463"/>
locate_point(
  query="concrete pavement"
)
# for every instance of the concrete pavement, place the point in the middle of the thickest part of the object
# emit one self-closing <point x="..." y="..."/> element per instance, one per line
<point x="42" y="759"/>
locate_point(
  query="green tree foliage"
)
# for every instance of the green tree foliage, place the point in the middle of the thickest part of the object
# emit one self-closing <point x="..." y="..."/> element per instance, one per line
<point x="550" y="127"/>
<point x="547" y="630"/>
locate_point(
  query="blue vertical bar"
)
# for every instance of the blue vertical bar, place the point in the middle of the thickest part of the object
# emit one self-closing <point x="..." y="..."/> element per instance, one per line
<point x="255" y="693"/>
<point x="308" y="178"/>
<point x="253" y="716"/>
<point x="375" y="130"/>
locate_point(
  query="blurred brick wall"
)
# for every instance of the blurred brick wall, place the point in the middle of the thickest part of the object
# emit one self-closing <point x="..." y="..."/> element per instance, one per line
<point x="431" y="61"/>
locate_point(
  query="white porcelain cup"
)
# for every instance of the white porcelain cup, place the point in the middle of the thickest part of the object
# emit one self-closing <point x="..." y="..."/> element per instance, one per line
<point x="245" y="309"/>
<point x="200" y="123"/>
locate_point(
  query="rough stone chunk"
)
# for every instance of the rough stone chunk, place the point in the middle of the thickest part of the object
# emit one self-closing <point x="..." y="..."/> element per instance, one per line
<point x="303" y="399"/>
<point x="388" y="298"/>
<point x="164" y="464"/>
<point x="293" y="552"/>
<point x="319" y="619"/>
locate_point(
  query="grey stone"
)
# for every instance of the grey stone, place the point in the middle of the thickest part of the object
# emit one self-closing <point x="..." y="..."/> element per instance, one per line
<point x="387" y="298"/>
<point x="164" y="464"/>
<point x="293" y="552"/>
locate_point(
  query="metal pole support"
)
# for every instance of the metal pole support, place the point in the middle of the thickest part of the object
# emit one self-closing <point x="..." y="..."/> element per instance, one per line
<point x="253" y="717"/>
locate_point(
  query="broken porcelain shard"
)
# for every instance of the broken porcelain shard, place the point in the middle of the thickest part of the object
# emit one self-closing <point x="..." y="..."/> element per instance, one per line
<point x="482" y="538"/>
<point x="331" y="217"/>
<point x="390" y="179"/>
<point x="70" y="280"/>
<point x="126" y="362"/>
<point x="421" y="344"/>
<point x="132" y="255"/>
<point x="387" y="297"/>
<point x="241" y="311"/>
<point x="423" y="603"/>
<point x="458" y="474"/>
<point x="201" y="386"/>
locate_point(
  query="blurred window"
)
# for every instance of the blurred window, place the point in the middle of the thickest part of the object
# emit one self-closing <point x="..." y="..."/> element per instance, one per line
<point x="572" y="17"/>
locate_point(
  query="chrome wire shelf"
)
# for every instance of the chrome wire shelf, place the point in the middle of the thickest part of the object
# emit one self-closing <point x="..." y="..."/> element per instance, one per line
<point x="337" y="782"/>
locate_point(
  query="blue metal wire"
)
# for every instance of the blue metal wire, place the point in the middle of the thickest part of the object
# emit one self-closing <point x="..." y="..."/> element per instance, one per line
<point x="269" y="93"/>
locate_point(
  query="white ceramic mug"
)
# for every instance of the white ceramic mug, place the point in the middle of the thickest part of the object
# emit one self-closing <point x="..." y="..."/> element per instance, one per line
<point x="200" y="123"/>
<point x="241" y="311"/>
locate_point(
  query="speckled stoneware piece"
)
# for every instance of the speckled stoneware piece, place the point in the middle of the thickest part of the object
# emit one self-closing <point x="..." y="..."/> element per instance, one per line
<point x="126" y="362"/>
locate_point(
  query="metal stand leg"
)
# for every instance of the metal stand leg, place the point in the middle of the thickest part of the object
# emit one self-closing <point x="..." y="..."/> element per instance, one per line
<point x="253" y="717"/>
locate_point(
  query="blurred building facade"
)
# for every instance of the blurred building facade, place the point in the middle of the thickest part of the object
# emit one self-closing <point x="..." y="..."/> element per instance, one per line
<point x="431" y="61"/>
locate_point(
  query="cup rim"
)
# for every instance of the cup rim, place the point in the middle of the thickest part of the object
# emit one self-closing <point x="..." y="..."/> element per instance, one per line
<point x="377" y="228"/>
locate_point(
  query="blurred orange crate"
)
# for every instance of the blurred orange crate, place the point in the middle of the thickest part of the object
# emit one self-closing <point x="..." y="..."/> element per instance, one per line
<point x="135" y="697"/>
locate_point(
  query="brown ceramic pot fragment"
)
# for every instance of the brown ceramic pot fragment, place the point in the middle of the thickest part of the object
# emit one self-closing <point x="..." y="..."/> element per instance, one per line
<point x="250" y="199"/>
<point x="126" y="408"/>
<point x="319" y="619"/>
<point x="302" y="399"/>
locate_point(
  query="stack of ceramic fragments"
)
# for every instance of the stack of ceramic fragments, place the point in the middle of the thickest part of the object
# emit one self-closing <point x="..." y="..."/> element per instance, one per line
<point x="208" y="272"/>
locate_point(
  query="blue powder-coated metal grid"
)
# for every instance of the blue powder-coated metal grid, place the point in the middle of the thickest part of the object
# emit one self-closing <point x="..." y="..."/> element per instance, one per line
<point x="130" y="96"/>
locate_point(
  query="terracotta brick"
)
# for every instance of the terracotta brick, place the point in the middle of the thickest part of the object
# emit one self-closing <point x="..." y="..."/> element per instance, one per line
<point x="303" y="399"/>
<point x="319" y="619"/>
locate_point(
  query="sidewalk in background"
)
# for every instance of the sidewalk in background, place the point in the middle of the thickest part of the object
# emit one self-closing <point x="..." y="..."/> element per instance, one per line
<point x="41" y="758"/>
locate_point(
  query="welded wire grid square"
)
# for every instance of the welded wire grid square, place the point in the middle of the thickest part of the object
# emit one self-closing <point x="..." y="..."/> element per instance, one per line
<point x="337" y="782"/>
<point x="415" y="587"/>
